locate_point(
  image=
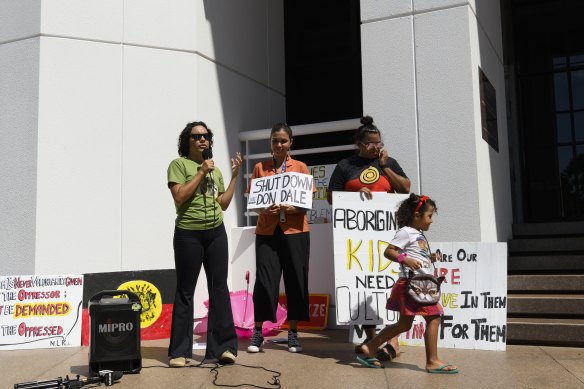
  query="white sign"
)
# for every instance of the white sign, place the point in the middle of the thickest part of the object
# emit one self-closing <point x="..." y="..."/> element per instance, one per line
<point x="40" y="311"/>
<point x="362" y="229"/>
<point x="321" y="210"/>
<point x="288" y="188"/>
<point x="474" y="295"/>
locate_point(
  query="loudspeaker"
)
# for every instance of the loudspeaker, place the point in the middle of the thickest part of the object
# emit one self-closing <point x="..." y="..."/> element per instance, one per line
<point x="114" y="332"/>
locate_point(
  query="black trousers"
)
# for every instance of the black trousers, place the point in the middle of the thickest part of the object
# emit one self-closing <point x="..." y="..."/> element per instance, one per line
<point x="191" y="250"/>
<point x="277" y="254"/>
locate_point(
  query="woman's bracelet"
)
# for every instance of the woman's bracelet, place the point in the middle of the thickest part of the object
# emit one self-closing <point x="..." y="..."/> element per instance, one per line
<point x="400" y="258"/>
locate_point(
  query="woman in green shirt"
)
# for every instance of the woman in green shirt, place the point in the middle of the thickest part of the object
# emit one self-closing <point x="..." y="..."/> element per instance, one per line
<point x="200" y="198"/>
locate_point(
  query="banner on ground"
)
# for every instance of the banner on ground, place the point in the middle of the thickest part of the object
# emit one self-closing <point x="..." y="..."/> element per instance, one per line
<point x="288" y="188"/>
<point x="474" y="295"/>
<point x="40" y="311"/>
<point x="318" y="308"/>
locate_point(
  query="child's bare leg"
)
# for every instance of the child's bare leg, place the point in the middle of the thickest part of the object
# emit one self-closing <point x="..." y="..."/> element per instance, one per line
<point x="403" y="324"/>
<point x="431" y="341"/>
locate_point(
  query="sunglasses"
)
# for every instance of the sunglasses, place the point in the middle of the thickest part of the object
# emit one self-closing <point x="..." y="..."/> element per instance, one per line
<point x="201" y="136"/>
<point x="372" y="144"/>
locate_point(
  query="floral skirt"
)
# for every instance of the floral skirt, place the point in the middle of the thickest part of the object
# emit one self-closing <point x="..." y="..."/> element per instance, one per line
<point x="398" y="301"/>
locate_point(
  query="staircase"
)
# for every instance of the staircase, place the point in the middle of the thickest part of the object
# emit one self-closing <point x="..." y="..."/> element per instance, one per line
<point x="546" y="284"/>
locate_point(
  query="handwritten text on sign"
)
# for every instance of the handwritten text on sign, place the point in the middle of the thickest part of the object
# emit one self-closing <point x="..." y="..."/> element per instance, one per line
<point x="474" y="294"/>
<point x="474" y="297"/>
<point x="40" y="311"/>
<point x="321" y="210"/>
<point x="362" y="229"/>
<point x="288" y="188"/>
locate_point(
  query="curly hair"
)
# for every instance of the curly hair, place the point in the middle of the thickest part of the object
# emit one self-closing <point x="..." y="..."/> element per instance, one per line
<point x="367" y="127"/>
<point x="407" y="208"/>
<point x="183" y="138"/>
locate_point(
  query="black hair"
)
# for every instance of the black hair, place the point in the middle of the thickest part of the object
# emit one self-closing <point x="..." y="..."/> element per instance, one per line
<point x="281" y="126"/>
<point x="183" y="138"/>
<point x="367" y="127"/>
<point x="407" y="208"/>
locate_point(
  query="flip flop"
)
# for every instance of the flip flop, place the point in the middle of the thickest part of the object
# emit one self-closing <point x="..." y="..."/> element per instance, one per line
<point x="386" y="353"/>
<point x="441" y="370"/>
<point x="370" y="362"/>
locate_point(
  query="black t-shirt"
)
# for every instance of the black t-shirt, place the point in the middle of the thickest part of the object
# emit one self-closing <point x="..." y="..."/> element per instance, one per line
<point x="355" y="172"/>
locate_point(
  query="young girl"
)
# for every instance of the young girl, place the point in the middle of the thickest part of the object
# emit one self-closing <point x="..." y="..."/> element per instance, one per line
<point x="410" y="248"/>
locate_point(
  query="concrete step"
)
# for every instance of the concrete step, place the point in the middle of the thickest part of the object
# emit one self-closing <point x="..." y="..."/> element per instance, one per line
<point x="546" y="283"/>
<point x="546" y="245"/>
<point x="546" y="263"/>
<point x="548" y="229"/>
<point x="537" y="305"/>
<point x="560" y="332"/>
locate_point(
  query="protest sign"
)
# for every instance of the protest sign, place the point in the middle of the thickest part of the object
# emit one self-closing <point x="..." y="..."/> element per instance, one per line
<point x="288" y="188"/>
<point x="40" y="311"/>
<point x="474" y="297"/>
<point x="321" y="209"/>
<point x="362" y="229"/>
<point x="474" y="294"/>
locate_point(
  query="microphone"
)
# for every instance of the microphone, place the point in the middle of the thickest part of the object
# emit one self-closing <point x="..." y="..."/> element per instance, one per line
<point x="106" y="377"/>
<point x="208" y="154"/>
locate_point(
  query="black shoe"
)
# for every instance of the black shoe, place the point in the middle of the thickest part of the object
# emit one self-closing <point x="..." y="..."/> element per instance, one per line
<point x="386" y="353"/>
<point x="293" y="343"/>
<point x="257" y="340"/>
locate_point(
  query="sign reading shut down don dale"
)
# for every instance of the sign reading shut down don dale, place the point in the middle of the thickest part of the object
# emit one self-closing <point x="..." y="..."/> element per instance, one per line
<point x="288" y="188"/>
<point x="474" y="293"/>
<point x="40" y="311"/>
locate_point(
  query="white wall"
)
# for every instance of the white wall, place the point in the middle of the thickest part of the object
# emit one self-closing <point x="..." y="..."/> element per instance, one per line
<point x="420" y="83"/>
<point x="19" y="19"/>
<point x="493" y="168"/>
<point x="19" y="61"/>
<point x="447" y="122"/>
<point x="79" y="155"/>
<point x="389" y="86"/>
<point x="116" y="83"/>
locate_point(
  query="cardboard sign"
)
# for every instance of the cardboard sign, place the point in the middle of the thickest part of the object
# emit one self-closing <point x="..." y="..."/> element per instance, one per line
<point x="40" y="311"/>
<point x="321" y="209"/>
<point x="362" y="229"/>
<point x="288" y="188"/>
<point x="318" y="309"/>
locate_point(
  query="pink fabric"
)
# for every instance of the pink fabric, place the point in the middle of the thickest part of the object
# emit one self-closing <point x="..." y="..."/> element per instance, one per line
<point x="242" y="309"/>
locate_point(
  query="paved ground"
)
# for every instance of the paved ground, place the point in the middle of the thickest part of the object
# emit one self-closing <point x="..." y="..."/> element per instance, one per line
<point x="328" y="361"/>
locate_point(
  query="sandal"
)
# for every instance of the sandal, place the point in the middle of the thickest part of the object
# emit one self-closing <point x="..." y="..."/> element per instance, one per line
<point x="358" y="349"/>
<point x="386" y="353"/>
<point x="370" y="362"/>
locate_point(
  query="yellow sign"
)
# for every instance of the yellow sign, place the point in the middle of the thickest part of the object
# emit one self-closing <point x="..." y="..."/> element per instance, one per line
<point x="149" y="298"/>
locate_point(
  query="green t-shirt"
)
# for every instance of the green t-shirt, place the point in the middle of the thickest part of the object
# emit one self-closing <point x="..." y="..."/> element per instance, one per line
<point x="201" y="211"/>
